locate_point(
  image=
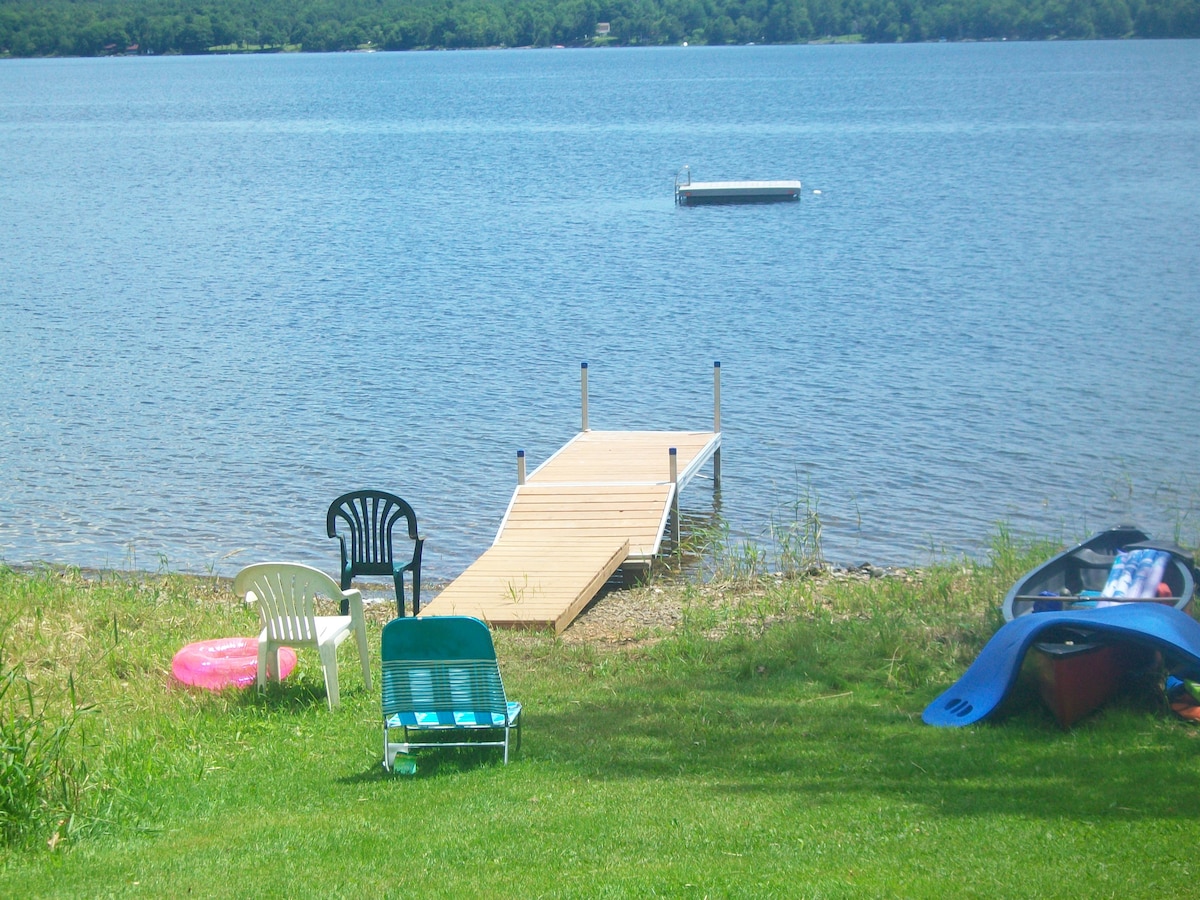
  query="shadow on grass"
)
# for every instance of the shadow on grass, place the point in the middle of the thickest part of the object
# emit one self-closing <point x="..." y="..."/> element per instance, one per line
<point x="432" y="762"/>
<point x="785" y="732"/>
<point x="294" y="696"/>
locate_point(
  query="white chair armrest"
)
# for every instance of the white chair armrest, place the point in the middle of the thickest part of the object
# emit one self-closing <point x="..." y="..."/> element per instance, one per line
<point x="354" y="597"/>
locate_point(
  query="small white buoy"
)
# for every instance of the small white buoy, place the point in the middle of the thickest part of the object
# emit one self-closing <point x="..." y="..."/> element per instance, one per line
<point x="816" y="192"/>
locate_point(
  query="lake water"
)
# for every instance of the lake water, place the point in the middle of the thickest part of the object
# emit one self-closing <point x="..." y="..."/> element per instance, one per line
<point x="234" y="287"/>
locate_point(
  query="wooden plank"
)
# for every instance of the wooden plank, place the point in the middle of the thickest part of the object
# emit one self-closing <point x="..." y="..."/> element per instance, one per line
<point x="626" y="456"/>
<point x="635" y="511"/>
<point x="531" y="585"/>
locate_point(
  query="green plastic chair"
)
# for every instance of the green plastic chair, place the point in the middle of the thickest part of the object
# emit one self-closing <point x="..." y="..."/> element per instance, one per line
<point x="440" y="675"/>
<point x="368" y="522"/>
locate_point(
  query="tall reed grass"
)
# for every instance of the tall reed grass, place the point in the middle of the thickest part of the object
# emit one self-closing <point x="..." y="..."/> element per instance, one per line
<point x="792" y="546"/>
<point x="42" y="782"/>
<point x="84" y="659"/>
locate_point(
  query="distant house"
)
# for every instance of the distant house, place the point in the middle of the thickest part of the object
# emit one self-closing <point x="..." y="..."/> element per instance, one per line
<point x="602" y="29"/>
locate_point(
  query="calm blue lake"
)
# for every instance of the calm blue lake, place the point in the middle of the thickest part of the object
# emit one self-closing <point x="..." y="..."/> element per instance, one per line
<point x="233" y="287"/>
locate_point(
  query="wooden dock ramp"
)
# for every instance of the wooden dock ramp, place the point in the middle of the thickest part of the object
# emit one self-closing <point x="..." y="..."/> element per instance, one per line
<point x="520" y="584"/>
<point x="604" y="500"/>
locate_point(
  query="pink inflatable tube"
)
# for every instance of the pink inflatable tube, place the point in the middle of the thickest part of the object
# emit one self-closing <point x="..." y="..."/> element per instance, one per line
<point x="217" y="664"/>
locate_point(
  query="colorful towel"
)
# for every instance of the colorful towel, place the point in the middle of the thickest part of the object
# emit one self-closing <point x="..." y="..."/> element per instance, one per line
<point x="1136" y="573"/>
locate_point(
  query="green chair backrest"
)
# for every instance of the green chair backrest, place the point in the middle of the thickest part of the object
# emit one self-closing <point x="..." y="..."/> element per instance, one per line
<point x="440" y="664"/>
<point x="368" y="520"/>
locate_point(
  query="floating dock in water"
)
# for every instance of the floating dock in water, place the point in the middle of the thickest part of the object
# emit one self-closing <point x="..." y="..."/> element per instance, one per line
<point x="690" y="193"/>
<point x="605" y="500"/>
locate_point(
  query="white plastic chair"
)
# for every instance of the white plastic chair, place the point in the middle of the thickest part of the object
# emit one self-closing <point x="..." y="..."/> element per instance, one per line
<point x="284" y="593"/>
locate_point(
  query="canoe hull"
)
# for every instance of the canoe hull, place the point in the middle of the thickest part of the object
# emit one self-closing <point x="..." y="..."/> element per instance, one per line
<point x="1079" y="671"/>
<point x="1075" y="679"/>
<point x="1057" y="583"/>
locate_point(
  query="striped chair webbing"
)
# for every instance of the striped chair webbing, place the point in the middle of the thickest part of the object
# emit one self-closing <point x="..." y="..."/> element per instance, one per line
<point x="432" y="720"/>
<point x="460" y="693"/>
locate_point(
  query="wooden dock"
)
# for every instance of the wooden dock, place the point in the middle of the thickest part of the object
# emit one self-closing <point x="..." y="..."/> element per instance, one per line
<point x="691" y="193"/>
<point x="604" y="500"/>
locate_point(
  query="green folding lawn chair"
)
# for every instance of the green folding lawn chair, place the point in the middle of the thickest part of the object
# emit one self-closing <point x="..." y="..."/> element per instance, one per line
<point x="440" y="675"/>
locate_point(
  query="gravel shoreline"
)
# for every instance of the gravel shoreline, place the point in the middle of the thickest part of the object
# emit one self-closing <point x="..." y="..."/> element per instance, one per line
<point x="645" y="613"/>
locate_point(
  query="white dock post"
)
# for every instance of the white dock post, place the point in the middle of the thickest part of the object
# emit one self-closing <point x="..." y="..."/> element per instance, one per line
<point x="520" y="467"/>
<point x="717" y="423"/>
<point x="583" y="391"/>
<point x="674" y="455"/>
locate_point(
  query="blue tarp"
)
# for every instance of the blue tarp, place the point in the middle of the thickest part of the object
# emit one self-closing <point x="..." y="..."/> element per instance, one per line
<point x="988" y="680"/>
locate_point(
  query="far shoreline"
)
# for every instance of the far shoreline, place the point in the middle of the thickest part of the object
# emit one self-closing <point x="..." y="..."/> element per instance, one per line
<point x="825" y="41"/>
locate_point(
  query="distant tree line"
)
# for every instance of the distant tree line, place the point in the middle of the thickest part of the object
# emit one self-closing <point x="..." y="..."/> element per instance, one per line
<point x="99" y="27"/>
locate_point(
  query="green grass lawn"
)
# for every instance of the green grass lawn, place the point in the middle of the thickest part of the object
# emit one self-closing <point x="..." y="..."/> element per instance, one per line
<point x="768" y="746"/>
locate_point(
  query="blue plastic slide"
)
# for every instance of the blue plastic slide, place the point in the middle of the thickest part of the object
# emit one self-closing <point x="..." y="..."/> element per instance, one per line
<point x="988" y="680"/>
